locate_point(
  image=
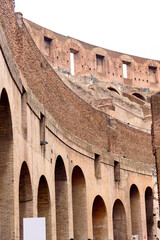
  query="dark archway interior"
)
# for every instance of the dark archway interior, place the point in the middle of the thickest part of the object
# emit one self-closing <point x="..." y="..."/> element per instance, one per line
<point x="79" y="204"/>
<point x="6" y="170"/>
<point x="149" y="212"/>
<point x="99" y="218"/>
<point x="61" y="194"/>
<point x="135" y="211"/>
<point x="119" y="221"/>
<point x="44" y="205"/>
<point x="25" y="197"/>
<point x="138" y="95"/>
<point x="113" y="89"/>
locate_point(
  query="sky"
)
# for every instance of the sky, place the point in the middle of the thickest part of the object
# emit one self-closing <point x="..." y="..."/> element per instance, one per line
<point x="127" y="26"/>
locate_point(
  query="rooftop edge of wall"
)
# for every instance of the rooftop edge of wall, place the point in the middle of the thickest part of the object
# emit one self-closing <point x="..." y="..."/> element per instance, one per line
<point x="89" y="46"/>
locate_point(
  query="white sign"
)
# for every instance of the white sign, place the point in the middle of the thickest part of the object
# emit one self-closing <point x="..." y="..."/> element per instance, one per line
<point x="34" y="229"/>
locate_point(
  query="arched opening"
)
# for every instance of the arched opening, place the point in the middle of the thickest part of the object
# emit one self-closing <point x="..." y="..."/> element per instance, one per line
<point x="138" y="95"/>
<point x="99" y="219"/>
<point x="79" y="204"/>
<point x="113" y="90"/>
<point x="44" y="205"/>
<point x="149" y="212"/>
<point x="119" y="221"/>
<point x="135" y="211"/>
<point x="61" y="196"/>
<point x="6" y="170"/>
<point x="25" y="197"/>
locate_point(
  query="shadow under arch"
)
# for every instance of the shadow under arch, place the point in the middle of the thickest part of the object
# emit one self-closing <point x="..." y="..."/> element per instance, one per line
<point x="6" y="169"/>
<point x="135" y="207"/>
<point x="61" y="197"/>
<point x="79" y="204"/>
<point x="112" y="89"/>
<point x="25" y="196"/>
<point x="44" y="205"/>
<point x="149" y="212"/>
<point x="138" y="95"/>
<point x="119" y="221"/>
<point x="99" y="219"/>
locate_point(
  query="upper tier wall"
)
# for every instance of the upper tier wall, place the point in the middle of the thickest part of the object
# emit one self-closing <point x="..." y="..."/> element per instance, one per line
<point x="91" y="60"/>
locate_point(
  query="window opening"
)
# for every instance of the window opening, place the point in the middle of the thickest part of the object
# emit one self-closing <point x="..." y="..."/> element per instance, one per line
<point x="100" y="63"/>
<point x="152" y="73"/>
<point x="125" y="69"/>
<point x="72" y="63"/>
<point x="47" y="44"/>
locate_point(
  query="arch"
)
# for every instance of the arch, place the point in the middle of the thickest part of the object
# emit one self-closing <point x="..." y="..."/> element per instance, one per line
<point x="25" y="196"/>
<point x="138" y="95"/>
<point x="99" y="219"/>
<point x="113" y="90"/>
<point x="99" y="51"/>
<point x="119" y="221"/>
<point x="61" y="197"/>
<point x="79" y="204"/>
<point x="6" y="169"/>
<point x="126" y="58"/>
<point x="149" y="212"/>
<point x="44" y="205"/>
<point x="74" y="43"/>
<point x="135" y="211"/>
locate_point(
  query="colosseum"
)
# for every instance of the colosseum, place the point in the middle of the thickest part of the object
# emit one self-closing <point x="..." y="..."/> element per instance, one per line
<point x="75" y="132"/>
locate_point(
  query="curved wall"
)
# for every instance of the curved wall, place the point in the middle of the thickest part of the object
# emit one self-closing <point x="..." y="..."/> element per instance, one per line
<point x="75" y="131"/>
<point x="93" y="61"/>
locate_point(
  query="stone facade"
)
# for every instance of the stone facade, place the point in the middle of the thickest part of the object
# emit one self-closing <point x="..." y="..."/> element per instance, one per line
<point x="90" y="60"/>
<point x="90" y="176"/>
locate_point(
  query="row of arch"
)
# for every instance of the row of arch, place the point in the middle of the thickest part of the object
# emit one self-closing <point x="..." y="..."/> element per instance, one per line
<point x="136" y="94"/>
<point x="79" y="202"/>
<point x="99" y="211"/>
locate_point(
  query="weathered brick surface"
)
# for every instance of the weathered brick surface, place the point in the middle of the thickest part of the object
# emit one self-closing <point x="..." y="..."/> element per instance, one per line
<point x="133" y="144"/>
<point x="139" y="73"/>
<point x="155" y="103"/>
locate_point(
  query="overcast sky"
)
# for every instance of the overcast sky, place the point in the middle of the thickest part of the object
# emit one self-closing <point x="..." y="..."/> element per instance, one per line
<point x="128" y="26"/>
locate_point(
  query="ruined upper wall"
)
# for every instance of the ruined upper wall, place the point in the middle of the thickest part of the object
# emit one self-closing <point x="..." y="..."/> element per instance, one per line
<point x="94" y="61"/>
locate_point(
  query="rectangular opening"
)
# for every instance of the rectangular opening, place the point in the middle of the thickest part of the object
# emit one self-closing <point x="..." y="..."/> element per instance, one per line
<point x="72" y="62"/>
<point x="97" y="166"/>
<point x="42" y="127"/>
<point x="152" y="73"/>
<point x="24" y="113"/>
<point x="42" y="133"/>
<point x="100" y="63"/>
<point x="116" y="171"/>
<point x="125" y="69"/>
<point x="47" y="45"/>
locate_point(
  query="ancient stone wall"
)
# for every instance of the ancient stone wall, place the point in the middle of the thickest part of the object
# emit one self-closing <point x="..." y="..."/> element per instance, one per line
<point x="60" y="158"/>
<point x="155" y="102"/>
<point x="94" y="61"/>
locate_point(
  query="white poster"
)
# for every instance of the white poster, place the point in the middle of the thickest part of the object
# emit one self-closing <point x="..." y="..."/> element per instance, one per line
<point x="34" y="229"/>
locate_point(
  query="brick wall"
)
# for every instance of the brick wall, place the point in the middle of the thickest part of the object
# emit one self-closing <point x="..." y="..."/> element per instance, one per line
<point x="103" y="63"/>
<point x="155" y="106"/>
